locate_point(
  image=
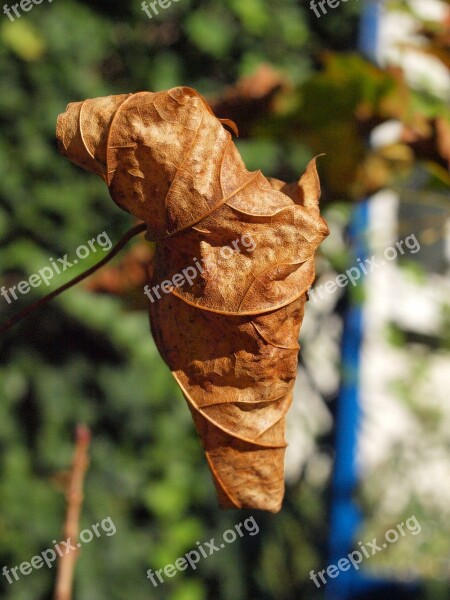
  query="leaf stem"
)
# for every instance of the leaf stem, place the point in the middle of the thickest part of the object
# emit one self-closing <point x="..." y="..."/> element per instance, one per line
<point x="33" y="307"/>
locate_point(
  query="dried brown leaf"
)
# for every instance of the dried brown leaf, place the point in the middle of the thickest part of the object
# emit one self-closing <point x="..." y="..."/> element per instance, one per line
<point x="230" y="338"/>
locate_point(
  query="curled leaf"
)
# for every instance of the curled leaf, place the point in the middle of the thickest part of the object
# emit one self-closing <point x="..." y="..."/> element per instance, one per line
<point x="228" y="333"/>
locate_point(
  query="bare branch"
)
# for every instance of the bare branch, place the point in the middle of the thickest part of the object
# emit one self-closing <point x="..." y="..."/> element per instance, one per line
<point x="66" y="563"/>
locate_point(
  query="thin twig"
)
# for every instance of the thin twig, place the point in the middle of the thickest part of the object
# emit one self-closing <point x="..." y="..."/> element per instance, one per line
<point x="74" y="495"/>
<point x="33" y="307"/>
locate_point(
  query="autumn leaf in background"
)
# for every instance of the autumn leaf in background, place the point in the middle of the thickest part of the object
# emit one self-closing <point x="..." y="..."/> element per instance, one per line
<point x="229" y="334"/>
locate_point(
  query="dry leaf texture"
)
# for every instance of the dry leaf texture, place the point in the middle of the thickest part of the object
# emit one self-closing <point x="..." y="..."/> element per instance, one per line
<point x="230" y="338"/>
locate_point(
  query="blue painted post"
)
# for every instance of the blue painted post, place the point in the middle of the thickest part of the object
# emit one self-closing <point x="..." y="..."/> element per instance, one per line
<point x="345" y="517"/>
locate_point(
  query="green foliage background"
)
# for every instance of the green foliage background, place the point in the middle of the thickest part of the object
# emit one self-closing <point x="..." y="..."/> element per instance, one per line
<point x="89" y="358"/>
